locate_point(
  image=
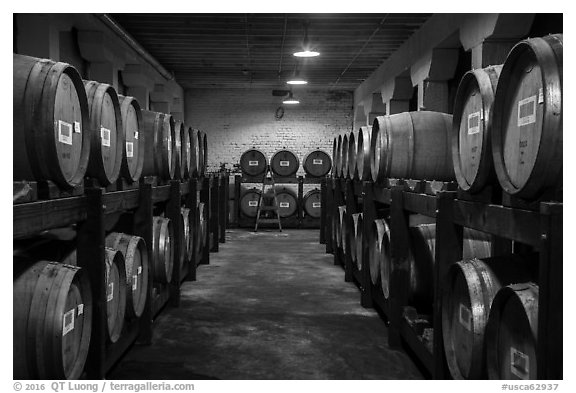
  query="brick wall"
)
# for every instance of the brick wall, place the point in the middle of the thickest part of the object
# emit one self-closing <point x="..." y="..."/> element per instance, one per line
<point x="238" y="119"/>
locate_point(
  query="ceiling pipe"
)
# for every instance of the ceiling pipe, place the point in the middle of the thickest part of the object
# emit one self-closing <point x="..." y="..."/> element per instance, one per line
<point x="127" y="38"/>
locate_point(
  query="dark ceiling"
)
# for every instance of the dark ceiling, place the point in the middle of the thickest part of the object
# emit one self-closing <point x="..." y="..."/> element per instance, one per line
<point x="255" y="50"/>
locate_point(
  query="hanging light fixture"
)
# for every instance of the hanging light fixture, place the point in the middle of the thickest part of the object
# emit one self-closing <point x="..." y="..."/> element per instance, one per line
<point x="306" y="45"/>
<point x="290" y="100"/>
<point x="296" y="79"/>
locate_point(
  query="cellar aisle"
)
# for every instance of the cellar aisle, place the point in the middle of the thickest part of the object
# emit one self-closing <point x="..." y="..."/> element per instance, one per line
<point x="269" y="306"/>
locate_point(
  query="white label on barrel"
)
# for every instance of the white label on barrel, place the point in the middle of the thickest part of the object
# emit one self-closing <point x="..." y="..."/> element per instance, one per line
<point x="110" y="292"/>
<point x="519" y="363"/>
<point x="465" y="317"/>
<point x="134" y="282"/>
<point x="80" y="309"/>
<point x="540" y="96"/>
<point x="284" y="204"/>
<point x="284" y="163"/>
<point x="139" y="269"/>
<point x="64" y="132"/>
<point x="129" y="149"/>
<point x="105" y="136"/>
<point x="316" y="205"/>
<point x="316" y="161"/>
<point x="68" y="322"/>
<point x="252" y="163"/>
<point x="527" y="111"/>
<point x="252" y="203"/>
<point x="473" y="123"/>
<point x="135" y="134"/>
<point x="77" y="128"/>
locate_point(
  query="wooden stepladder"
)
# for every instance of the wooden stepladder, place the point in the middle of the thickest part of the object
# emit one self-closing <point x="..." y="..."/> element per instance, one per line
<point x="273" y="207"/>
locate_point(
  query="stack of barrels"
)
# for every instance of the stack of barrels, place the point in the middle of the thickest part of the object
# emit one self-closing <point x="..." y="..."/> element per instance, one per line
<point x="66" y="129"/>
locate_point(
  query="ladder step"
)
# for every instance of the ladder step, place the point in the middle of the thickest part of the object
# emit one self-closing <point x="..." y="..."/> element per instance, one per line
<point x="268" y="221"/>
<point x="268" y="208"/>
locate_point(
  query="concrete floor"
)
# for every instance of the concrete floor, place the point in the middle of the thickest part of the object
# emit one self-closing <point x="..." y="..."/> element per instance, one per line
<point x="269" y="306"/>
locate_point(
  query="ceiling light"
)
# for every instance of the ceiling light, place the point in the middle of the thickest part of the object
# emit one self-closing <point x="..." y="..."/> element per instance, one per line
<point x="290" y="100"/>
<point x="307" y="53"/>
<point x="297" y="81"/>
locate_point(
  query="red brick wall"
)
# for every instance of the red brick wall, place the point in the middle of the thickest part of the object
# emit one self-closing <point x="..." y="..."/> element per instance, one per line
<point x="238" y="119"/>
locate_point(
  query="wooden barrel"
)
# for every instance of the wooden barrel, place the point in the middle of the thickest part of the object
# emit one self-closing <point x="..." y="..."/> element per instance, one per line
<point x="341" y="228"/>
<point x="185" y="151"/>
<point x="202" y="153"/>
<point x="317" y="163"/>
<point x="135" y="253"/>
<point x="312" y="204"/>
<point x="527" y="118"/>
<point x="188" y="232"/>
<point x="338" y="157"/>
<point x="249" y="202"/>
<point x="472" y="129"/>
<point x="52" y="321"/>
<point x="512" y="333"/>
<point x="179" y="130"/>
<point x="334" y="154"/>
<point x="471" y="285"/>
<point x="412" y="145"/>
<point x="162" y="250"/>
<point x="253" y="162"/>
<point x="378" y="250"/>
<point x="158" y="130"/>
<point x="284" y="163"/>
<point x="115" y="293"/>
<point x="51" y="138"/>
<point x="352" y="150"/>
<point x="133" y="156"/>
<point x="107" y="145"/>
<point x="194" y="152"/>
<point x="422" y="255"/>
<point x="202" y="225"/>
<point x="355" y="238"/>
<point x="363" y="153"/>
<point x="287" y="201"/>
<point x="344" y="156"/>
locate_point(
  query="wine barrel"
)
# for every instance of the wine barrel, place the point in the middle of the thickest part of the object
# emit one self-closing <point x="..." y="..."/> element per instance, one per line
<point x="471" y="285"/>
<point x="135" y="253"/>
<point x="312" y="203"/>
<point x="51" y="137"/>
<point x="338" y="157"/>
<point x="412" y="145"/>
<point x="203" y="153"/>
<point x="107" y="145"/>
<point x="253" y="162"/>
<point x="52" y="321"/>
<point x="133" y="156"/>
<point x="185" y="151"/>
<point x="115" y="293"/>
<point x="287" y="201"/>
<point x="194" y="152"/>
<point x="178" y="133"/>
<point x="472" y="129"/>
<point x="202" y="225"/>
<point x="363" y="153"/>
<point x="344" y="156"/>
<point x="355" y="238"/>
<point x="249" y="202"/>
<point x="341" y="228"/>
<point x="422" y="255"/>
<point x="334" y="154"/>
<point x="512" y="333"/>
<point x="379" y="251"/>
<point x="158" y="130"/>
<point x="162" y="250"/>
<point x="527" y="118"/>
<point x="352" y="151"/>
<point x="284" y="163"/>
<point x="317" y="163"/>
<point x="188" y="232"/>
